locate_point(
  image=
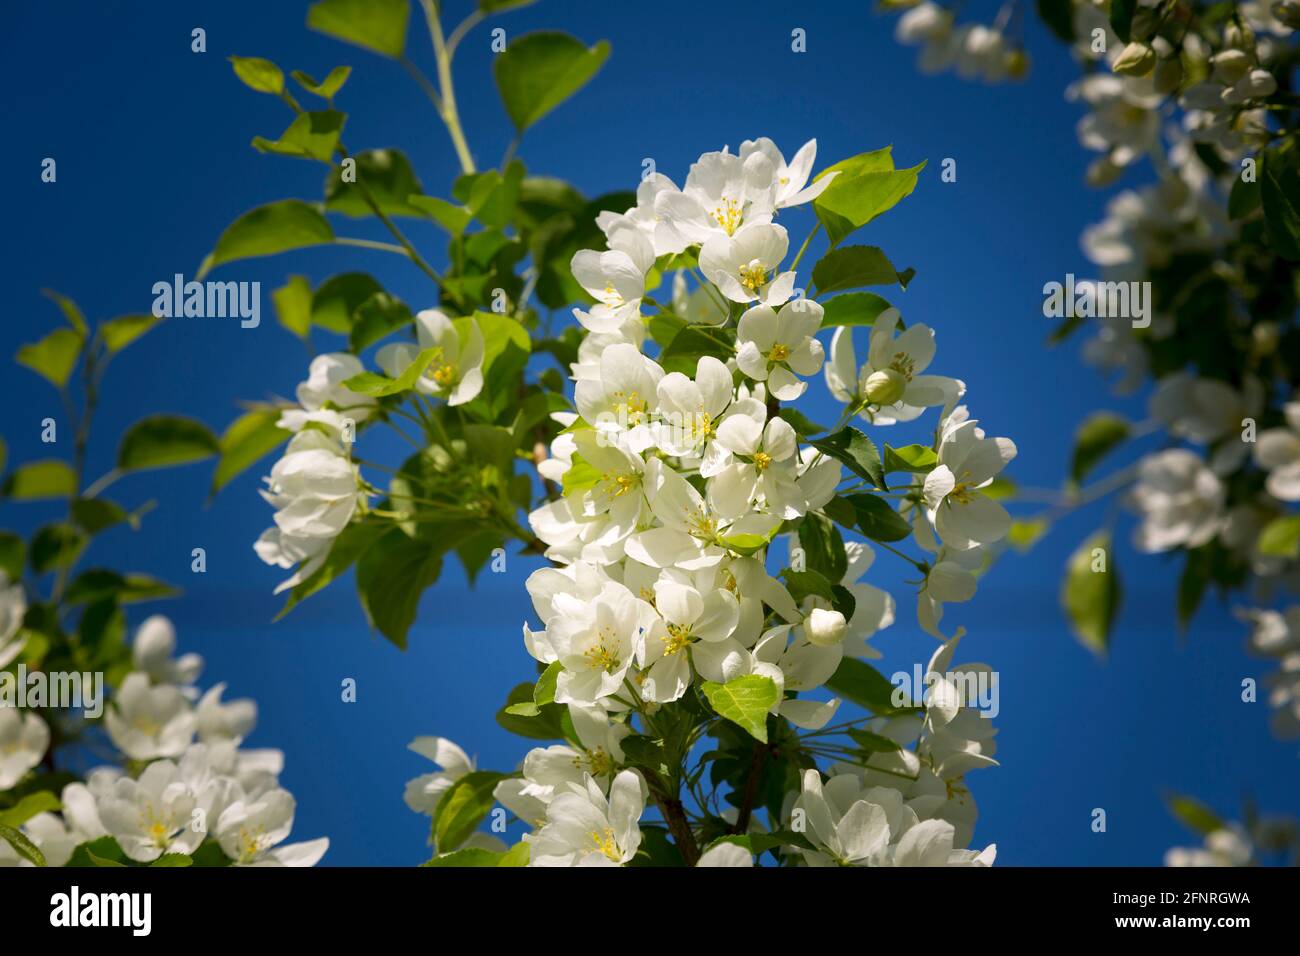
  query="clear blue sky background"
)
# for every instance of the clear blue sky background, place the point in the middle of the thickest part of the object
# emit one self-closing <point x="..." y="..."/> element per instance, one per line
<point x="153" y="162"/>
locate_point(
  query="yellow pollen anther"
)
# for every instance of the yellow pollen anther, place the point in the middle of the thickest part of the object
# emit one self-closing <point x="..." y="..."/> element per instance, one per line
<point x="679" y="637"/>
<point x="753" y="276"/>
<point x="444" y="375"/>
<point x="728" y="215"/>
<point x="602" y="658"/>
<point x="779" y="352"/>
<point x="761" y="460"/>
<point x="604" y="843"/>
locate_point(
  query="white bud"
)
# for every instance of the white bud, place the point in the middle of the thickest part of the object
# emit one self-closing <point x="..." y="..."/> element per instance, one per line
<point x="885" y="387"/>
<point x="825" y="628"/>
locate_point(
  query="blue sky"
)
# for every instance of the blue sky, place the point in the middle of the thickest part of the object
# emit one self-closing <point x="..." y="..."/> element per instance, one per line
<point x="153" y="159"/>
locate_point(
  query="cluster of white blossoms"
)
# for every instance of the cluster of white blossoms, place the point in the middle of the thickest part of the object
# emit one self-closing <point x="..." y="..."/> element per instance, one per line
<point x="674" y="487"/>
<point x="315" y="487"/>
<point x="185" y="777"/>
<point x="972" y="50"/>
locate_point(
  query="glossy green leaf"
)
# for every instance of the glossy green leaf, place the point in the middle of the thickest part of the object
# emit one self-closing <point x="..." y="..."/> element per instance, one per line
<point x="854" y="449"/>
<point x="853" y="266"/>
<point x="292" y="303"/>
<point x="165" y="440"/>
<point x="246" y="441"/>
<point x="270" y="229"/>
<point x="312" y="135"/>
<point x="49" y="478"/>
<point x="539" y="71"/>
<point x="327" y="88"/>
<point x="463" y="807"/>
<point x="388" y="177"/>
<point x="1091" y="598"/>
<point x="864" y="187"/>
<point x="259" y="74"/>
<point x="1099" y="434"/>
<point x="852" y="308"/>
<point x="745" y="702"/>
<point x="376" y="25"/>
<point x="54" y="357"/>
<point x="120" y="332"/>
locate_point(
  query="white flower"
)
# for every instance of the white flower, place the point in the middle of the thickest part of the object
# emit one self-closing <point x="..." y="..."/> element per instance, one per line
<point x="762" y="467"/>
<point x="24" y="738"/>
<point x="424" y="792"/>
<point x="315" y="489"/>
<point x="1277" y="450"/>
<point x="1229" y="846"/>
<point x="950" y="580"/>
<point x="13" y="606"/>
<point x="645" y="216"/>
<point x="152" y="650"/>
<point x="154" y="814"/>
<point x="456" y="370"/>
<point x="825" y="628"/>
<point x="615" y="278"/>
<point x="789" y="180"/>
<point x="963" y="515"/>
<point x="726" y="854"/>
<point x="690" y="410"/>
<point x="696" y="626"/>
<point x="744" y="266"/>
<point x="620" y="401"/>
<point x="1123" y="122"/>
<point x="890" y="381"/>
<point x="216" y="721"/>
<point x="777" y="346"/>
<point x="249" y="832"/>
<point x="147" y="722"/>
<point x="325" y="400"/>
<point x="794" y="663"/>
<point x="588" y="829"/>
<point x="1180" y="501"/>
<point x="873" y="607"/>
<point x="698" y="306"/>
<point x="561" y="768"/>
<point x="595" y="642"/>
<point x="723" y="194"/>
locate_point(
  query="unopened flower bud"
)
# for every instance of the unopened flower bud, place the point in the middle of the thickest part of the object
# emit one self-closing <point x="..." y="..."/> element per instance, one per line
<point x="1136" y="59"/>
<point x="1169" y="76"/>
<point x="885" y="387"/>
<point x="1288" y="11"/>
<point x="825" y="628"/>
<point x="1102" y="171"/>
<point x="1231" y="65"/>
<point x="1016" y="63"/>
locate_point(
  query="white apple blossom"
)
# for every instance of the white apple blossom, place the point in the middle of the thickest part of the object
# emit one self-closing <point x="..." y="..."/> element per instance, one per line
<point x="968" y="461"/>
<point x="424" y="792"/>
<point x="146" y="721"/>
<point x="722" y="194"/>
<point x="324" y="400"/>
<point x="24" y="738"/>
<point x="455" y="371"/>
<point x="744" y="266"/>
<point x="790" y="180"/>
<point x="153" y="649"/>
<point x="589" y="829"/>
<point x="776" y="346"/>
<point x="1180" y="500"/>
<point x="614" y="278"/>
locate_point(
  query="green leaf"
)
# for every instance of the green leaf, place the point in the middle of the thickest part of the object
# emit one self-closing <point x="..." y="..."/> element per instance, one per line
<point x="1091" y="598"/>
<point x="866" y="186"/>
<point x="800" y="584"/>
<point x="463" y="807"/>
<point x="54" y="357"/>
<point x="873" y="743"/>
<point x="371" y="383"/>
<point x="853" y="308"/>
<point x="916" y="459"/>
<point x="1279" y="182"/>
<point x="391" y="576"/>
<point x="500" y="6"/>
<point x="327" y="88"/>
<point x="1099" y="434"/>
<point x="1121" y="18"/>
<point x="376" y="25"/>
<point x="864" y="685"/>
<point x="878" y="519"/>
<point x="1059" y="17"/>
<point x="40" y="802"/>
<point x="799" y="422"/>
<point x="376" y="318"/>
<point x="120" y="332"/>
<point x="13" y="555"/>
<point x="1023" y="535"/>
<point x="854" y="266"/>
<point x="99" y="583"/>
<point x="539" y="71"/>
<point x="691" y="343"/>
<point x="451" y="217"/>
<point x="267" y="230"/>
<point x="854" y="449"/>
<point x="71" y="311"/>
<point x="312" y="135"/>
<point x="338" y="298"/>
<point x="353" y="541"/>
<point x="389" y="178"/>
<point x="745" y="702"/>
<point x="1243" y="199"/>
<point x="259" y="74"/>
<point x="246" y="441"/>
<point x="1194" y="814"/>
<point x="823" y="547"/>
<point x="55" y="546"/>
<point x="94" y="515"/>
<point x="173" y="860"/>
<point x="1281" y="537"/>
<point x="48" y="478"/>
<point x="548" y="722"/>
<point x="163" y="441"/>
<point x="24" y="847"/>
<point x="101" y="852"/>
<point x="293" y="305"/>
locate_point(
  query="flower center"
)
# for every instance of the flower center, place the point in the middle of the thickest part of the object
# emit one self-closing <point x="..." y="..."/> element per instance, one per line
<point x="761" y="460"/>
<point x="679" y="637"/>
<point x="602" y="658"/>
<point x="753" y="276"/>
<point x="604" y="843"/>
<point x="444" y="375"/>
<point x="728" y="215"/>
<point x="779" y="352"/>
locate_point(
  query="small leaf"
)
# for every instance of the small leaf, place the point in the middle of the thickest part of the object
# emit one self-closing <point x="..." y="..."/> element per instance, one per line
<point x="42" y="801"/>
<point x="451" y="217"/>
<point x="23" y="846"/>
<point x="877" y="518"/>
<point x="389" y="178"/>
<point x="259" y="74"/>
<point x="49" y="478"/>
<point x="463" y="807"/>
<point x="1279" y="183"/>
<point x="336" y="300"/>
<point x="745" y="702"/>
<point x="165" y="440"/>
<point x="853" y="266"/>
<point x="312" y="135"/>
<point x="852" y="308"/>
<point x="1195" y="814"/>
<point x="327" y="88"/>
<point x="391" y="577"/>
<point x="1099" y="434"/>
<point x="370" y="383"/>
<point x="56" y="546"/>
<point x="854" y="449"/>
<point x="917" y="459"/>
<point x="1280" y="537"/>
<point x="120" y="332"/>
<point x="539" y="71"/>
<point x="267" y="230"/>
<point x="864" y="685"/>
<point x="245" y="442"/>
<point x="865" y="186"/>
<point x="1091" y="598"/>
<point x="376" y="25"/>
<point x="1059" y="17"/>
<point x="71" y="311"/>
<point x="54" y="357"/>
<point x="1121" y="18"/>
<point x="293" y="305"/>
